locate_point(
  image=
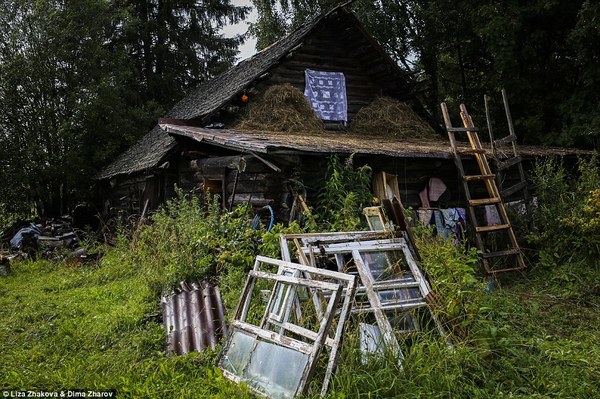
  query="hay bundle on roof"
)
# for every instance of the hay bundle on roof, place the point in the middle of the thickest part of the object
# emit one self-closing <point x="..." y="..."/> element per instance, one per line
<point x="281" y="108"/>
<point x="386" y="116"/>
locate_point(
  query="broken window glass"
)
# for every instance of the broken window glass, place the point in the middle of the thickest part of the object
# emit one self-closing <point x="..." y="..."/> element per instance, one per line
<point x="392" y="287"/>
<point x="306" y="312"/>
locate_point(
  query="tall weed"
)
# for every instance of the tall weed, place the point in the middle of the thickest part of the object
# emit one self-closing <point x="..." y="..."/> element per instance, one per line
<point x="345" y="193"/>
<point x="452" y="271"/>
<point x="566" y="229"/>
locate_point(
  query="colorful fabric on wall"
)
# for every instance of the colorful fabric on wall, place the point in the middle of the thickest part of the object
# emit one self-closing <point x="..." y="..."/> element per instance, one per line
<point x="432" y="192"/>
<point x="450" y="222"/>
<point x="326" y="93"/>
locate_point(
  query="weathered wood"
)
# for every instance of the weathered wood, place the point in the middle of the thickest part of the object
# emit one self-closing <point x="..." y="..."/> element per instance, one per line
<point x="230" y="162"/>
<point x="487" y="229"/>
<point x="478" y="177"/>
<point x="512" y="251"/>
<point x="510" y="162"/>
<point x="483" y="201"/>
<point x="287" y="342"/>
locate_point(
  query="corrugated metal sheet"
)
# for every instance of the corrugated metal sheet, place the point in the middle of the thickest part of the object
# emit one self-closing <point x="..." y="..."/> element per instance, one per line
<point x="194" y="317"/>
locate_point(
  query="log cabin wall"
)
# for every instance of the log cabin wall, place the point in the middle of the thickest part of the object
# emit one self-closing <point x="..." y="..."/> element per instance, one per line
<point x="128" y="194"/>
<point x="235" y="178"/>
<point x="258" y="184"/>
<point x="413" y="175"/>
<point x="338" y="47"/>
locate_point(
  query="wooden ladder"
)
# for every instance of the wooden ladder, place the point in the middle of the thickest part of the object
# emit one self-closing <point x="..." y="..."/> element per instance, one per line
<point x="490" y="258"/>
<point x="507" y="159"/>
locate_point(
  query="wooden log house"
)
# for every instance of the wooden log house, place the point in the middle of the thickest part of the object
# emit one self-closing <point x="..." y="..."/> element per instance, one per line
<point x="261" y="168"/>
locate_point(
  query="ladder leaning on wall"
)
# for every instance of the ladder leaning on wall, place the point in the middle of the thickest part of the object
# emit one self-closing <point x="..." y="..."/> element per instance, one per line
<point x="494" y="261"/>
<point x="504" y="151"/>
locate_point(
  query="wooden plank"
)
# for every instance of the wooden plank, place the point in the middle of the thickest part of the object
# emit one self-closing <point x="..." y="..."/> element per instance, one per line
<point x="339" y="332"/>
<point x="478" y="177"/>
<point x="382" y="320"/>
<point x="507" y="252"/>
<point x="304" y="332"/>
<point x="513" y="189"/>
<point x="320" y="340"/>
<point x="462" y="129"/>
<point x="272" y="336"/>
<point x="505" y="140"/>
<point x="483" y="201"/>
<point x="308" y="269"/>
<point x="510" y="162"/>
<point x="322" y="285"/>
<point x="486" y="229"/>
<point x="509" y="269"/>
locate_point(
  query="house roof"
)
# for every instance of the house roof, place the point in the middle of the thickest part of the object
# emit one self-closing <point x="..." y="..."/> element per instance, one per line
<point x="341" y="143"/>
<point x="213" y="94"/>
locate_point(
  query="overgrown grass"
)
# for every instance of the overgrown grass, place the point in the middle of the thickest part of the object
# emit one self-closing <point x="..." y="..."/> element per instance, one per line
<point x="64" y="327"/>
<point x="99" y="326"/>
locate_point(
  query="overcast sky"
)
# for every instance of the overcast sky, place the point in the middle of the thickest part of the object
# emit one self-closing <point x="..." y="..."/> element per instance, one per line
<point x="249" y="47"/>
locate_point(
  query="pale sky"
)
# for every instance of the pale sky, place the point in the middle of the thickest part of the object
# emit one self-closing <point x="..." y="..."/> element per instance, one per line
<point x="249" y="47"/>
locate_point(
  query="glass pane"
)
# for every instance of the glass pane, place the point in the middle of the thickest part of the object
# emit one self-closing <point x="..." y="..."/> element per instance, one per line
<point x="268" y="367"/>
<point x="238" y="353"/>
<point x="403" y="321"/>
<point x="387" y="266"/>
<point x="371" y="341"/>
<point x="395" y="295"/>
<point x="275" y="370"/>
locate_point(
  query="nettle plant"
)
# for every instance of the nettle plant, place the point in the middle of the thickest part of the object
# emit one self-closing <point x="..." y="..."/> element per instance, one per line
<point x="346" y="191"/>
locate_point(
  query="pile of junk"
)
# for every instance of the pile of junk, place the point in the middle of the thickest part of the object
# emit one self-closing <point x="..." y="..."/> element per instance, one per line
<point x="49" y="239"/>
<point x="285" y="336"/>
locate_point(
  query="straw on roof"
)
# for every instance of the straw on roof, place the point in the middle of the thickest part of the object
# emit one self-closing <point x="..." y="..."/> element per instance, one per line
<point x="390" y="117"/>
<point x="282" y="108"/>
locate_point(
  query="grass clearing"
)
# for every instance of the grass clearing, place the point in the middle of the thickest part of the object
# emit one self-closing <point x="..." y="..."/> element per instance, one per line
<point x="64" y="328"/>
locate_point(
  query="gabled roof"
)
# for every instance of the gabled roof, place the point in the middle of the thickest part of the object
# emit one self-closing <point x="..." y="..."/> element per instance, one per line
<point x="213" y="94"/>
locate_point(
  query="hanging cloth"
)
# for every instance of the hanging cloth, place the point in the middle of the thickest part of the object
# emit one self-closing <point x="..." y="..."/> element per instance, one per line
<point x="432" y="192"/>
<point x="326" y="93"/>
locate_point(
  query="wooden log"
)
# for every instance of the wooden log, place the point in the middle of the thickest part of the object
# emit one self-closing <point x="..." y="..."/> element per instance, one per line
<point x="227" y="162"/>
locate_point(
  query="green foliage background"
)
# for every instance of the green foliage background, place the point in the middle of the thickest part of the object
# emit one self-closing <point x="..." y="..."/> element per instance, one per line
<point x="80" y="81"/>
<point x="544" y="53"/>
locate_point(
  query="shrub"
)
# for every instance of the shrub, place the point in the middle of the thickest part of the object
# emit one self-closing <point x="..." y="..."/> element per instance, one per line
<point x="566" y="229"/>
<point x="345" y="193"/>
<point x="453" y="275"/>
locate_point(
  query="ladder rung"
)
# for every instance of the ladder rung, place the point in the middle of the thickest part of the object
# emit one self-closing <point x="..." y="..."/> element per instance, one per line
<point x="513" y="189"/>
<point x="485" y="229"/>
<point x="462" y="129"/>
<point x="508" y="163"/>
<point x="505" y="140"/>
<point x="483" y="201"/>
<point x="507" y="252"/>
<point x="470" y="151"/>
<point x="479" y="177"/>
<point x="510" y="269"/>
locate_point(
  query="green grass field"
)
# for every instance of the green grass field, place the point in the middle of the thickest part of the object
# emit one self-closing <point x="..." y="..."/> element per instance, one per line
<point x="99" y="327"/>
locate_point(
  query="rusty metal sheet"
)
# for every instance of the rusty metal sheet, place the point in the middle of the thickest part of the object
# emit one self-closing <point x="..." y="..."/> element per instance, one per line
<point x="194" y="317"/>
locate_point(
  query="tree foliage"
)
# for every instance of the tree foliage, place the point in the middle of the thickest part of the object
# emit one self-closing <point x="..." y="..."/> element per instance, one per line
<point x="545" y="53"/>
<point x="80" y="81"/>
